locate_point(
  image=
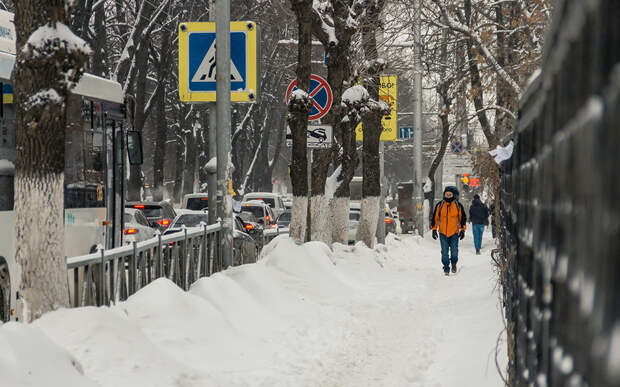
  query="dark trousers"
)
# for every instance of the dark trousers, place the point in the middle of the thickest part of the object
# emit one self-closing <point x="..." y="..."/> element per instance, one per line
<point x="449" y="250"/>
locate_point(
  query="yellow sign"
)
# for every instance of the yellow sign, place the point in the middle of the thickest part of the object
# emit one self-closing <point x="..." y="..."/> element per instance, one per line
<point x="197" y="81"/>
<point x="230" y="188"/>
<point x="388" y="92"/>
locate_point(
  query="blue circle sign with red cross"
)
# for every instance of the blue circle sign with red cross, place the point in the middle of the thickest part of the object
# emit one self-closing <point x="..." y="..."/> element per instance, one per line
<point x="457" y="147"/>
<point x="321" y="95"/>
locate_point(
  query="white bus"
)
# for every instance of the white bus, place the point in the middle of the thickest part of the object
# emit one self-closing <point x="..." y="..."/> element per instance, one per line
<point x="95" y="165"/>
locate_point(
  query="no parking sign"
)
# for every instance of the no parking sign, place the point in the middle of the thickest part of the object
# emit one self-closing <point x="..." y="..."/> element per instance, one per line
<point x="321" y="95"/>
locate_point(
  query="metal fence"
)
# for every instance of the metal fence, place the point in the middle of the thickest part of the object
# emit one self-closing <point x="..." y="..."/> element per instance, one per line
<point x="561" y="208"/>
<point x="110" y="276"/>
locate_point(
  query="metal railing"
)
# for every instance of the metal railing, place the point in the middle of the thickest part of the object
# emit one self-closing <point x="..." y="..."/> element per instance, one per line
<point x="560" y="211"/>
<point x="110" y="276"/>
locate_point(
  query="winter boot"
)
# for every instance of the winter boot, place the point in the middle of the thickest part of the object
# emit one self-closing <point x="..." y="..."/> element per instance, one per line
<point x="446" y="272"/>
<point x="477" y="251"/>
<point x="454" y="268"/>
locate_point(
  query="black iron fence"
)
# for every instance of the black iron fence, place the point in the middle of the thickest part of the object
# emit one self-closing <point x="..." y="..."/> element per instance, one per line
<point x="561" y="207"/>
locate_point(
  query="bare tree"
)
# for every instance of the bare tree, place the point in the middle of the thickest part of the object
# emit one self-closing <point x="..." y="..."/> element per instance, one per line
<point x="299" y="107"/>
<point x="50" y="62"/>
<point x="371" y="185"/>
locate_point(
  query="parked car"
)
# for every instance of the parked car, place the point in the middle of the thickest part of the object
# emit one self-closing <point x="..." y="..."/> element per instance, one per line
<point x="261" y="211"/>
<point x="137" y="227"/>
<point x="390" y="221"/>
<point x="195" y="201"/>
<point x="354" y="220"/>
<point x="245" y="248"/>
<point x="160" y="214"/>
<point x="273" y="200"/>
<point x="252" y="227"/>
<point x="284" y="220"/>
<point x="187" y="219"/>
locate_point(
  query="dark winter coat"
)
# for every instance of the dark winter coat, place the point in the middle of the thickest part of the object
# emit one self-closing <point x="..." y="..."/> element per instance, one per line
<point x="478" y="212"/>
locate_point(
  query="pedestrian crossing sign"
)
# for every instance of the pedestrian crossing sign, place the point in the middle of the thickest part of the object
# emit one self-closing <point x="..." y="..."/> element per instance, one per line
<point x="197" y="75"/>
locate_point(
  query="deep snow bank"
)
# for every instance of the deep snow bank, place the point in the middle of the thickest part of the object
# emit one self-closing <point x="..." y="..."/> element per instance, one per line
<point x="303" y="315"/>
<point x="29" y="358"/>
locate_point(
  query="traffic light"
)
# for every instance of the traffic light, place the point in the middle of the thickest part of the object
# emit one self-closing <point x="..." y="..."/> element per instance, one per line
<point x="465" y="179"/>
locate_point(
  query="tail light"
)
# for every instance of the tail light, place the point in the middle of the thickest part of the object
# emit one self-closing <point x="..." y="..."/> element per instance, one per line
<point x="130" y="231"/>
<point x="164" y="222"/>
<point x="388" y="220"/>
<point x="249" y="227"/>
<point x="267" y="218"/>
<point x="139" y="206"/>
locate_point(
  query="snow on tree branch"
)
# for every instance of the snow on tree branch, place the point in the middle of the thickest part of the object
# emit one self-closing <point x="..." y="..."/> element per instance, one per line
<point x="484" y="50"/>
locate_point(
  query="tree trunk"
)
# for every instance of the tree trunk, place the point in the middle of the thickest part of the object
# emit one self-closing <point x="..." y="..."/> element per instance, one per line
<point x="299" y="107"/>
<point x="445" y="102"/>
<point x="159" y="153"/>
<point x="134" y="183"/>
<point x="189" y="171"/>
<point x="372" y="128"/>
<point x="476" y="83"/>
<point x="41" y="90"/>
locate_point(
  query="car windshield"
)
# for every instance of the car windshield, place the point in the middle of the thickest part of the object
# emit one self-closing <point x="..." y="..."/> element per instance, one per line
<point x="268" y="201"/>
<point x="190" y="220"/>
<point x="354" y="215"/>
<point x="197" y="204"/>
<point x="285" y="217"/>
<point x="254" y="210"/>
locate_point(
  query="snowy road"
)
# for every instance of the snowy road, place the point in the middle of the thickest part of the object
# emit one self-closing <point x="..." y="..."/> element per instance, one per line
<point x="302" y="316"/>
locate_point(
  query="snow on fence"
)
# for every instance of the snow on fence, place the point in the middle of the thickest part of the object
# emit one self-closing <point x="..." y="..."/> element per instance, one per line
<point x="560" y="211"/>
<point x="110" y="276"/>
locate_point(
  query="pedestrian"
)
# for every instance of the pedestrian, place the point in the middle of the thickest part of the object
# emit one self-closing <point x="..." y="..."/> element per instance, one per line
<point x="449" y="218"/>
<point x="479" y="215"/>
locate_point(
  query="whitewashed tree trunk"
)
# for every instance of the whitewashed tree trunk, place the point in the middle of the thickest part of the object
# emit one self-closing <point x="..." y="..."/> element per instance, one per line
<point x="369" y="217"/>
<point x="321" y="227"/>
<point x="46" y="49"/>
<point x="40" y="246"/>
<point x="297" y="228"/>
<point x="339" y="213"/>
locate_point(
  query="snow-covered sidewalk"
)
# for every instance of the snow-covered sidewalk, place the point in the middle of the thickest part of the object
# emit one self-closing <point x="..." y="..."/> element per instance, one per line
<point x="302" y="316"/>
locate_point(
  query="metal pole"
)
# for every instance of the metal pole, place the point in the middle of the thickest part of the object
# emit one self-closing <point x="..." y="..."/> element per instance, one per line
<point x="212" y="177"/>
<point x="381" y="224"/>
<point x="417" y="134"/>
<point x="222" y="77"/>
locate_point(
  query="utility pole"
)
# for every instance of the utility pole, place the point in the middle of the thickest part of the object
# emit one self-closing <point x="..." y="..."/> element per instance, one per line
<point x="381" y="225"/>
<point x="417" y="134"/>
<point x="212" y="175"/>
<point x="222" y="77"/>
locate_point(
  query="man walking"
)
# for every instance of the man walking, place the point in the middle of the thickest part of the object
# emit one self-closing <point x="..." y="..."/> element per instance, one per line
<point x="449" y="219"/>
<point x="479" y="215"/>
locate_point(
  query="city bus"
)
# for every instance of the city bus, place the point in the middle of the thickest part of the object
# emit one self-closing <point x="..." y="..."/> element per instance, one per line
<point x="98" y="149"/>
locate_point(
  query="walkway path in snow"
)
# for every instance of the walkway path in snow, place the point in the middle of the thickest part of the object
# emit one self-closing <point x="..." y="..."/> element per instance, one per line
<point x="302" y="316"/>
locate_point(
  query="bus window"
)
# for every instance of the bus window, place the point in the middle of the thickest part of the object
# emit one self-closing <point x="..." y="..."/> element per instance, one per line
<point x="84" y="155"/>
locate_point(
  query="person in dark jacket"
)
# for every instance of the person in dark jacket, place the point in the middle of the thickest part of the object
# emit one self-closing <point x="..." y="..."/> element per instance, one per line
<point x="479" y="215"/>
<point x="449" y="219"/>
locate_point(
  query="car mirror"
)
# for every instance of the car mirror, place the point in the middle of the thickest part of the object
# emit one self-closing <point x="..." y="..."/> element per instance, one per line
<point x="134" y="147"/>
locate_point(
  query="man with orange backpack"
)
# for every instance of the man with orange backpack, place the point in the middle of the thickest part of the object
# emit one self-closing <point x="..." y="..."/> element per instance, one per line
<point x="449" y="219"/>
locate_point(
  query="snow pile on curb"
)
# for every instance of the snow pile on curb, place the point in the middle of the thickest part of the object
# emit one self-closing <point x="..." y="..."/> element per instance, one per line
<point x="303" y="315"/>
<point x="30" y="358"/>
